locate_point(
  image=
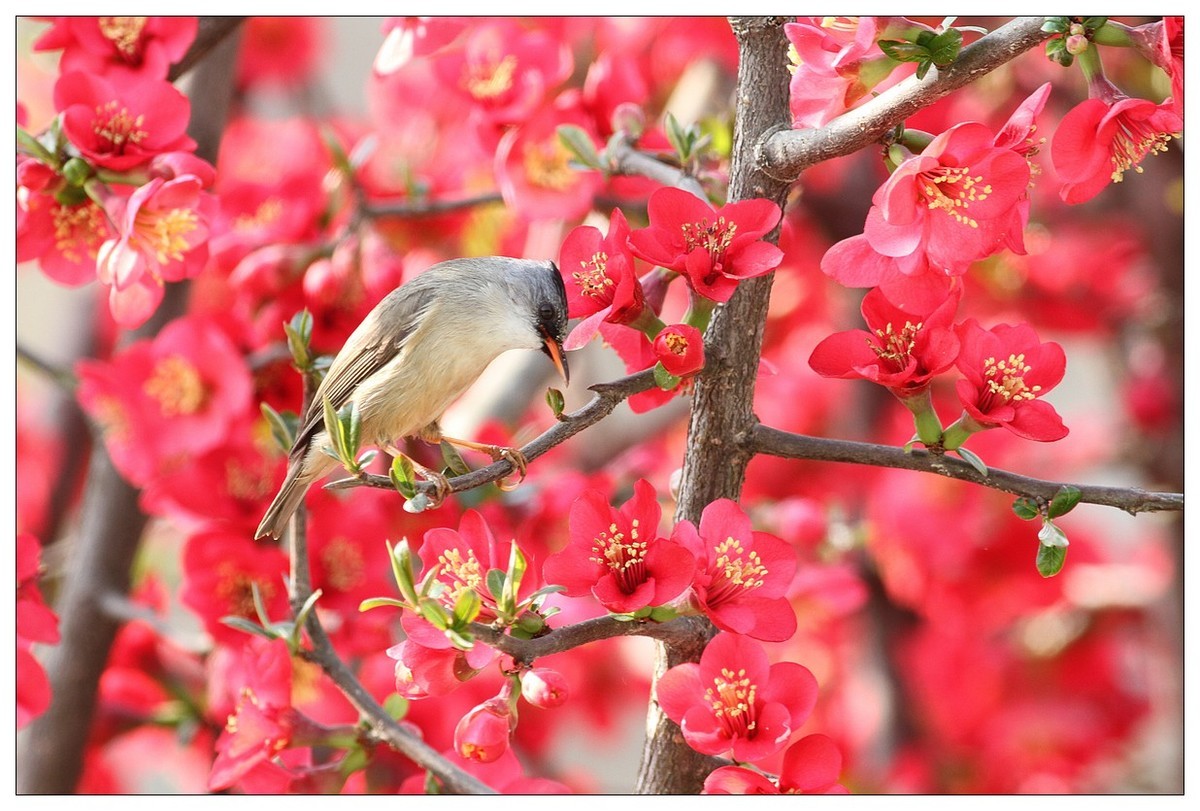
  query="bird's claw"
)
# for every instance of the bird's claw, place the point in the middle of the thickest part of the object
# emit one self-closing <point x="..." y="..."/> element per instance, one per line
<point x="441" y="487"/>
<point x="515" y="458"/>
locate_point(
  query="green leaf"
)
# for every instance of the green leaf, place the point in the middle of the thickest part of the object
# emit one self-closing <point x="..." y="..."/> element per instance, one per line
<point x="517" y="564"/>
<point x="416" y="505"/>
<point x="680" y="138"/>
<point x="76" y="171"/>
<point x="1050" y="559"/>
<point x="301" y="619"/>
<point x="353" y="430"/>
<point x="556" y="401"/>
<point x="379" y="602"/>
<point x="663" y="613"/>
<point x="973" y="460"/>
<point x="430" y="586"/>
<point x="433" y="613"/>
<point x="1056" y="51"/>
<point x="453" y="459"/>
<point x="1064" y="500"/>
<point x="665" y="380"/>
<point x="1056" y="25"/>
<point x="944" y="48"/>
<point x="403" y="477"/>
<point x="903" y="51"/>
<point x="1051" y="535"/>
<point x="283" y="426"/>
<point x="396" y="706"/>
<point x="1026" y="508"/>
<point x="299" y="338"/>
<point x="243" y="624"/>
<point x="460" y="639"/>
<point x="402" y="569"/>
<point x="579" y="144"/>
<point x="495" y="583"/>
<point x="923" y="68"/>
<point x="467" y="606"/>
<point x="1092" y="23"/>
<point x="333" y="429"/>
<point x="31" y="146"/>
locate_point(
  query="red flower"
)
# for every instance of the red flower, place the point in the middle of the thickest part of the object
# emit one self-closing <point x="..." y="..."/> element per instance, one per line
<point x="282" y="51"/>
<point x="465" y="557"/>
<point x="744" y="575"/>
<point x="545" y="688"/>
<point x="735" y="700"/>
<point x="120" y="127"/>
<point x="715" y="248"/>
<point x="617" y="556"/>
<point x="903" y="350"/>
<point x="810" y="766"/>
<point x="599" y="276"/>
<point x="1007" y="371"/>
<point x="36" y="623"/>
<point x="680" y="349"/>
<point x="1100" y="139"/>
<point x="219" y="571"/>
<point x="482" y="734"/>
<point x="637" y="353"/>
<point x="436" y="670"/>
<point x="64" y="239"/>
<point x="163" y="237"/>
<point x="532" y="166"/>
<point x="263" y="721"/>
<point x="119" y="48"/>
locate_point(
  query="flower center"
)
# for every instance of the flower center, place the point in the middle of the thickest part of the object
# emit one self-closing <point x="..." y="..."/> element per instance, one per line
<point x="257" y="728"/>
<point x="461" y="574"/>
<point x="732" y="698"/>
<point x="177" y="386"/>
<point x="626" y="560"/>
<point x="78" y="230"/>
<point x="235" y="588"/>
<point x="546" y="165"/>
<point x="124" y="33"/>
<point x="166" y="232"/>
<point x="952" y="189"/>
<point x="1134" y="140"/>
<point x="488" y="81"/>
<point x="344" y="565"/>
<point x="676" y="344"/>
<point x="895" y="346"/>
<point x="738" y="571"/>
<point x="593" y="278"/>
<point x="116" y="125"/>
<point x="714" y="238"/>
<point x="267" y="212"/>
<point x="245" y="484"/>
<point x="1005" y="381"/>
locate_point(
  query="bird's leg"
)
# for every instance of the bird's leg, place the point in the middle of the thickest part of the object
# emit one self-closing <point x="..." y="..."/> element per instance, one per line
<point x="441" y="485"/>
<point x="513" y="456"/>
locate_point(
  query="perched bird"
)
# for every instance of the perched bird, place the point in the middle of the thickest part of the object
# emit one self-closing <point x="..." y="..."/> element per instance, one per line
<point x="420" y="348"/>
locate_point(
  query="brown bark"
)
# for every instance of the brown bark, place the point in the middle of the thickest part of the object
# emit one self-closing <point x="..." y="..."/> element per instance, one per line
<point x="722" y="409"/>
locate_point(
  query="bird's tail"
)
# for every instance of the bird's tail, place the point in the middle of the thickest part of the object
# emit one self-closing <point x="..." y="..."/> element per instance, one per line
<point x="287" y="500"/>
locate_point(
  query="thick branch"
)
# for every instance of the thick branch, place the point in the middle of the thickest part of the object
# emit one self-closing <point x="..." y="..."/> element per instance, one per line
<point x="786" y="153"/>
<point x="797" y="446"/>
<point x="211" y="31"/>
<point x="608" y="396"/>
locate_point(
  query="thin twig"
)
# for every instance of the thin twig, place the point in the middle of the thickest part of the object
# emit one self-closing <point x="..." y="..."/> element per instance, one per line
<point x="607" y="397"/>
<point x="578" y="634"/>
<point x="210" y="33"/>
<point x="774" y="442"/>
<point x="625" y="160"/>
<point x="785" y="153"/>
<point x="425" y="208"/>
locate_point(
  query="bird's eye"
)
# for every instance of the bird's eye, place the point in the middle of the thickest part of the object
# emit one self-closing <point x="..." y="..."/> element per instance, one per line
<point x="545" y="312"/>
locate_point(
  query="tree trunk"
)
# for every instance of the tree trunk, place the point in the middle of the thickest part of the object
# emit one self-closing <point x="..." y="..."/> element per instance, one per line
<point x="723" y="403"/>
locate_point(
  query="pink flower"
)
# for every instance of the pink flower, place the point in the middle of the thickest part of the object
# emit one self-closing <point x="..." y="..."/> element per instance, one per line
<point x="599" y="276"/>
<point x="637" y="353"/>
<point x="119" y="48"/>
<point x="735" y="700"/>
<point x="1007" y="370"/>
<point x="744" y="575"/>
<point x="482" y="734"/>
<point x="121" y="127"/>
<point x="680" y="349"/>
<point x="903" y="350"/>
<point x="221" y="570"/>
<point x="810" y="766"/>
<point x="64" y="239"/>
<point x="545" y="688"/>
<point x="424" y="671"/>
<point x="617" y="556"/>
<point x="163" y="237"/>
<point x="714" y="248"/>
<point x="406" y="37"/>
<point x="1102" y="138"/>
<point x="281" y="51"/>
<point x="36" y="623"/>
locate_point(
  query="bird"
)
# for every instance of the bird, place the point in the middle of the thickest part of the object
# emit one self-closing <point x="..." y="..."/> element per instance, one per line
<point x="416" y="352"/>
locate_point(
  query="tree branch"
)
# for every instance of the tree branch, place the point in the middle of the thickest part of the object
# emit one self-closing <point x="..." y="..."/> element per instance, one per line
<point x="425" y="208"/>
<point x="785" y="153"/>
<point x="797" y="446"/>
<point x="209" y="35"/>
<point x="608" y="396"/>
<point x="625" y="160"/>
<point x="582" y="633"/>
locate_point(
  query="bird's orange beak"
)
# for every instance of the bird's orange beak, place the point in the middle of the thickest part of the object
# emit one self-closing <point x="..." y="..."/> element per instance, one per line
<point x="554" y="349"/>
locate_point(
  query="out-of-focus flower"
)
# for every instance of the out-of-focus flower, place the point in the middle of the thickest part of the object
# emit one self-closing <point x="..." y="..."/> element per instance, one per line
<point x="220" y="572"/>
<point x="810" y="766"/>
<point x="408" y="37"/>
<point x="280" y="51"/>
<point x="123" y="49"/>
<point x="36" y="623"/>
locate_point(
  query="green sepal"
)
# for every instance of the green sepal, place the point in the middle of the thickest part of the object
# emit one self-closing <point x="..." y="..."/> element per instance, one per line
<point x="1064" y="501"/>
<point x="665" y="380"/>
<point x="1026" y="508"/>
<point x="76" y="171"/>
<point x="396" y="706"/>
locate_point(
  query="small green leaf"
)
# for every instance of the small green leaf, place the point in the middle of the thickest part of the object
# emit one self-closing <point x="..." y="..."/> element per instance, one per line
<point x="396" y="706"/>
<point x="76" y="171"/>
<point x="923" y="68"/>
<point x="556" y="401"/>
<point x="430" y="586"/>
<point x="1056" y="51"/>
<point x="301" y="619"/>
<point x="1051" y="535"/>
<point x="467" y="606"/>
<point x="435" y="614"/>
<point x="680" y="138"/>
<point x="663" y="613"/>
<point x="379" y="602"/>
<point x="665" y="380"/>
<point x="30" y="145"/>
<point x="1092" y="23"/>
<point x="517" y="564"/>
<point x="495" y="583"/>
<point x="402" y="570"/>
<point x="460" y="639"/>
<point x="973" y="460"/>
<point x="1026" y="508"/>
<point x="403" y="477"/>
<point x="283" y="426"/>
<point x="1050" y="559"/>
<point x="333" y="429"/>
<point x="1056" y="25"/>
<point x="543" y="593"/>
<point x="417" y="504"/>
<point x="903" y="51"/>
<point x="944" y="48"/>
<point x="353" y="429"/>
<point x="1064" y="500"/>
<point x="579" y="144"/>
<point x="453" y="459"/>
<point x="299" y="338"/>
<point x="245" y="625"/>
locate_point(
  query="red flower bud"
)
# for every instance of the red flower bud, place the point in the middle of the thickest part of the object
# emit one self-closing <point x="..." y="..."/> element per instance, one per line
<point x="482" y="734"/>
<point x="680" y="349"/>
<point x="545" y="688"/>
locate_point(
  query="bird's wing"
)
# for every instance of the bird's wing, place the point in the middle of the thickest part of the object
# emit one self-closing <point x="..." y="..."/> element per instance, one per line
<point x="379" y="347"/>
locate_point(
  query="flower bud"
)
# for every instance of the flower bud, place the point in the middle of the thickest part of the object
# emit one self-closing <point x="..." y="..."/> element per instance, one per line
<point x="1077" y="44"/>
<point x="680" y="349"/>
<point x="629" y="118"/>
<point x="482" y="734"/>
<point x="545" y="688"/>
<point x="170" y="165"/>
<point x="76" y="171"/>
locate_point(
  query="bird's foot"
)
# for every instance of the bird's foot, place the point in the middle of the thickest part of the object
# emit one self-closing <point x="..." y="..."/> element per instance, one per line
<point x="511" y="455"/>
